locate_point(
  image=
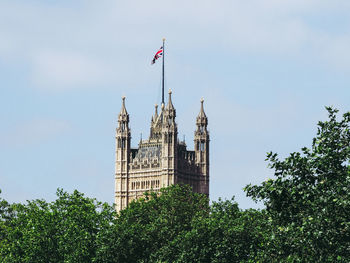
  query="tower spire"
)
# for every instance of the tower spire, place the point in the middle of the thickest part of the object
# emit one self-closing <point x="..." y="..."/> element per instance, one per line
<point x="202" y="120"/>
<point x="155" y="111"/>
<point x="170" y="105"/>
<point x="202" y="113"/>
<point x="123" y="110"/>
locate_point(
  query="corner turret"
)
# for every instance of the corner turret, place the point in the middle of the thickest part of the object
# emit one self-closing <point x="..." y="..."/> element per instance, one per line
<point x="123" y="139"/>
<point x="169" y="145"/>
<point x="201" y="144"/>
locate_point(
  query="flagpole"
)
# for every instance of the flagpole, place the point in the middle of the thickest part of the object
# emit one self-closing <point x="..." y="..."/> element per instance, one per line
<point x="163" y="73"/>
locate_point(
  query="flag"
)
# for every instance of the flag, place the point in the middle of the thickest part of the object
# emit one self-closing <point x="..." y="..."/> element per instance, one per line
<point x="157" y="55"/>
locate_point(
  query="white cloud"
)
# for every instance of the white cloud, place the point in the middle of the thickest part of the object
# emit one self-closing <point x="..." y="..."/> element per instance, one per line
<point x="62" y="41"/>
<point x="33" y="132"/>
<point x="60" y="70"/>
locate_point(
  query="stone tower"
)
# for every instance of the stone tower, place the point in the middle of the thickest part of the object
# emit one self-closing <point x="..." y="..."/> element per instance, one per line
<point x="161" y="160"/>
<point x="123" y="139"/>
<point x="201" y="146"/>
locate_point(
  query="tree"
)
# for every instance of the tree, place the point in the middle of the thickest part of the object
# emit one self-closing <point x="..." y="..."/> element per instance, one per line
<point x="144" y="231"/>
<point x="227" y="234"/>
<point x="62" y="231"/>
<point x="307" y="218"/>
<point x="179" y="226"/>
<point x="308" y="202"/>
<point x="6" y="214"/>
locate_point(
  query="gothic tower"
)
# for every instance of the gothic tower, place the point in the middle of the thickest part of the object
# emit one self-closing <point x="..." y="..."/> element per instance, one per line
<point x="161" y="160"/>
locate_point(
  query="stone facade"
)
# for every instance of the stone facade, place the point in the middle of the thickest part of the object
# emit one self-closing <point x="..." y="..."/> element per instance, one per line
<point x="162" y="160"/>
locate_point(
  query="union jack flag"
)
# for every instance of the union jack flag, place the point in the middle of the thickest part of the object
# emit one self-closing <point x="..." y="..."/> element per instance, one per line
<point x="157" y="55"/>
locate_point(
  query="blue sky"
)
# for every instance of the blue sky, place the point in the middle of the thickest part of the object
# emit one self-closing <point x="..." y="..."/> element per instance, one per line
<point x="266" y="69"/>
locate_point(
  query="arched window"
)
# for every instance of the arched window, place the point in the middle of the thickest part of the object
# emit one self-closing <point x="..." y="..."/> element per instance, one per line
<point x="170" y="138"/>
<point x="123" y="143"/>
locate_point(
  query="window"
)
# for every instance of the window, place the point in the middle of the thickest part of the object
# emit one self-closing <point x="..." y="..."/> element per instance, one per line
<point x="123" y="143"/>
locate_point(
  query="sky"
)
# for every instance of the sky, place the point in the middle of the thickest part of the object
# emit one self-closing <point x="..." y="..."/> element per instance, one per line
<point x="266" y="70"/>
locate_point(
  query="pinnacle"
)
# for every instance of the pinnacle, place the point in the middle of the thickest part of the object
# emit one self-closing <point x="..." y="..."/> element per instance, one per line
<point x="202" y="113"/>
<point x="155" y="111"/>
<point x="170" y="105"/>
<point x="123" y="110"/>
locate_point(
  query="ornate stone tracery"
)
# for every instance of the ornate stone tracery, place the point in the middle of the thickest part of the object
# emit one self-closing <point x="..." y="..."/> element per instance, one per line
<point x="161" y="160"/>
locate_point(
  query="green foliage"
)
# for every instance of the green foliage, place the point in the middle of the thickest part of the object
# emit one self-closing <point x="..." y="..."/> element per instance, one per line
<point x="307" y="218"/>
<point x="62" y="231"/>
<point x="179" y="226"/>
<point x="143" y="232"/>
<point x="309" y="200"/>
<point x="6" y="214"/>
<point x="226" y="234"/>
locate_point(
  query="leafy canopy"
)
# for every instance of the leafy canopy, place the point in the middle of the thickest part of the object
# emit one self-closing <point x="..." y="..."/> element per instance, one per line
<point x="308" y="202"/>
<point x="307" y="218"/>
